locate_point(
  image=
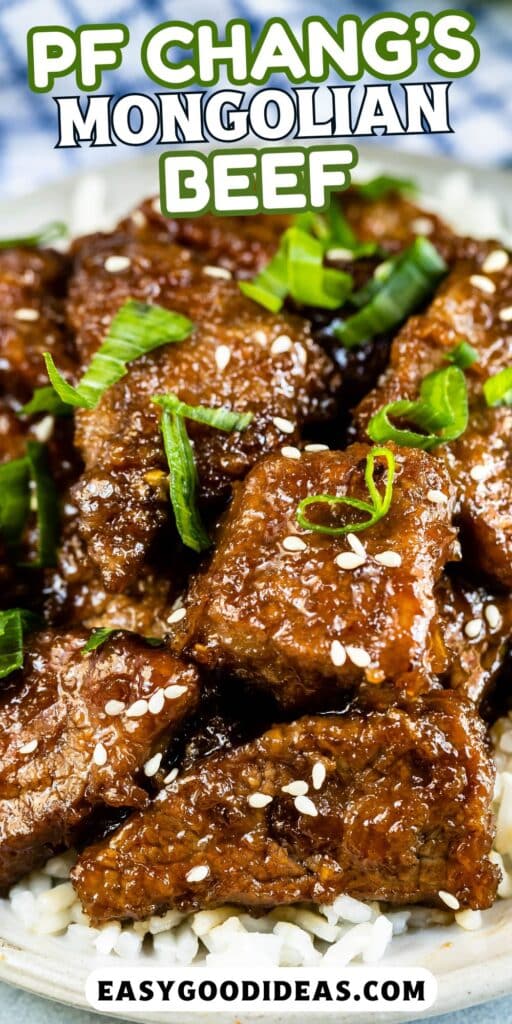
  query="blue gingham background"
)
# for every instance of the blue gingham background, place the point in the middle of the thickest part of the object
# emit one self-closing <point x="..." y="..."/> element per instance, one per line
<point x="481" y="103"/>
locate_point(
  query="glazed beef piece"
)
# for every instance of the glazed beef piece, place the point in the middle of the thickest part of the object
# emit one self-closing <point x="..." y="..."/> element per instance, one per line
<point x="66" y="749"/>
<point x="469" y="307"/>
<point x="276" y="605"/>
<point x="239" y="356"/>
<point x="472" y="632"/>
<point x="242" y="245"/>
<point x="74" y="591"/>
<point x="394" y="805"/>
<point x="31" y="319"/>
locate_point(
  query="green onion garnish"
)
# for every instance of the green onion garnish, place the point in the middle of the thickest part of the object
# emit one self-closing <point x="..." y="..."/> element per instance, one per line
<point x="183" y="482"/>
<point x="383" y="184"/>
<point x="46" y="400"/>
<point x="14" y="624"/>
<point x="411" y="281"/>
<point x="14" y="499"/>
<point x="376" y="508"/>
<point x="46" y="504"/>
<point x="49" y="233"/>
<point x="101" y="634"/>
<point x="498" y="389"/>
<point x="297" y="270"/>
<point x="333" y="230"/>
<point x="463" y="355"/>
<point x="16" y="478"/>
<point x="136" y="329"/>
<point x="440" y="413"/>
<point x="222" y="419"/>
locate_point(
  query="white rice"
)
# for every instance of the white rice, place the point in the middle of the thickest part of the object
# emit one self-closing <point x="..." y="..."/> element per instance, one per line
<point x="300" y="935"/>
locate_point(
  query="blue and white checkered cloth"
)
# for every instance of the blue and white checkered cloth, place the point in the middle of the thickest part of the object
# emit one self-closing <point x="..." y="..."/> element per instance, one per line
<point x="481" y="103"/>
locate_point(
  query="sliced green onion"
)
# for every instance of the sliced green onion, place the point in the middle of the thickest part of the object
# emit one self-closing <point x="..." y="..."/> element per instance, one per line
<point x="440" y="413"/>
<point x="376" y="508"/>
<point x="101" y="634"/>
<point x="498" y="389"/>
<point x="333" y="230"/>
<point x="410" y="283"/>
<point x="136" y="329"/>
<point x="14" y="500"/>
<point x="14" y="624"/>
<point x="297" y="270"/>
<point x="47" y="505"/>
<point x="376" y="282"/>
<point x="49" y="233"/>
<point x="46" y="400"/>
<point x="183" y="482"/>
<point x="15" y="480"/>
<point x="463" y="355"/>
<point x="222" y="419"/>
<point x="383" y="184"/>
<point x="98" y="637"/>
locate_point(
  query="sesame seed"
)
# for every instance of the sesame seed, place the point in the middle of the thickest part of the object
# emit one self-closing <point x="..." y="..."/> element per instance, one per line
<point x="222" y="272"/>
<point x="389" y="558"/>
<point x="495" y="261"/>
<point x="356" y="544"/>
<point x="114" y="264"/>
<point x="294" y="543"/>
<point x="437" y="496"/>
<point x="176" y="616"/>
<point x="341" y="255"/>
<point x="478" y="473"/>
<point x="305" y="806"/>
<point x="350" y="560"/>
<point x="156" y="702"/>
<point x="318" y="774"/>
<point x="261" y="338"/>
<point x="222" y="356"/>
<point x="155" y="205"/>
<point x="297" y="788"/>
<point x="316" y="448"/>
<point x="473" y="628"/>
<point x="290" y="453"/>
<point x="338" y="655"/>
<point x="151" y="767"/>
<point x="137" y="709"/>
<point x="114" y="707"/>
<point x="259" y="800"/>
<point x="505" y="314"/>
<point x="301" y="353"/>
<point x="286" y="426"/>
<point x="493" y="616"/>
<point x="422" y="226"/>
<point x="483" y="283"/>
<point x="173" y="774"/>
<point x="154" y="477"/>
<point x="358" y="656"/>
<point x="28" y="748"/>
<point x="44" y="429"/>
<point x="281" y="344"/>
<point x="139" y="218"/>
<point x="198" y="874"/>
<point x="451" y="901"/>
<point x="174" y="691"/>
<point x="26" y="314"/>
<point x="100" y="755"/>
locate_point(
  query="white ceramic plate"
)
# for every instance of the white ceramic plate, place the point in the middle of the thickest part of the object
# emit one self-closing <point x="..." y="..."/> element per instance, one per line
<point x="470" y="966"/>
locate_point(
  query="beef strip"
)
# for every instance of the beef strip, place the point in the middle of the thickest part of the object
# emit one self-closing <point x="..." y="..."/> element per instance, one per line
<point x="123" y="497"/>
<point x="53" y="715"/>
<point x="272" y="615"/>
<point x="401" y="810"/>
<point x="479" y="462"/>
